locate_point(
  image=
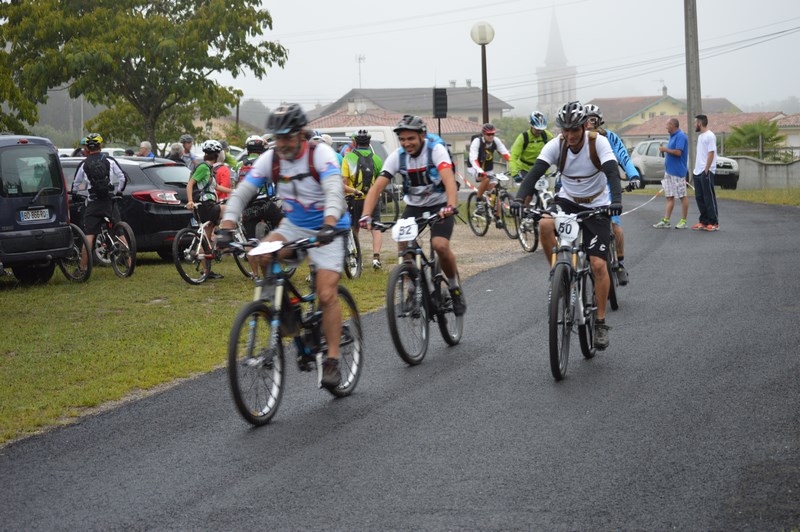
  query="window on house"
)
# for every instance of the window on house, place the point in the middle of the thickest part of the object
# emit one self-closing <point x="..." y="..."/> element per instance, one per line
<point x="652" y="115"/>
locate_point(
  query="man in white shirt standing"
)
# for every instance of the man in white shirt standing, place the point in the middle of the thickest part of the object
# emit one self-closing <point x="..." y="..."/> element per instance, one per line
<point x="705" y="166"/>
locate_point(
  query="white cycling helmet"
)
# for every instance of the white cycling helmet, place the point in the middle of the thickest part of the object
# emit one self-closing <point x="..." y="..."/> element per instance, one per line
<point x="212" y="146"/>
<point x="592" y="110"/>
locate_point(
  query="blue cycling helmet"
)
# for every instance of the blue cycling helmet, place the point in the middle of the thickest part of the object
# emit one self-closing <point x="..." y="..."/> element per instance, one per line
<point x="538" y="121"/>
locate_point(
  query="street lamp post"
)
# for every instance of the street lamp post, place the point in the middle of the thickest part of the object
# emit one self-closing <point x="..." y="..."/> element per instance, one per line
<point x="482" y="33"/>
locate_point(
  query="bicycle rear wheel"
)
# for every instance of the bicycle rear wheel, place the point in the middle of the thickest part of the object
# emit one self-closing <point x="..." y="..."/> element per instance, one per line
<point x="479" y="223"/>
<point x="407" y="314"/>
<point x="123" y="249"/>
<point x="586" y="332"/>
<point x="510" y="222"/>
<point x="256" y="364"/>
<point x="71" y="264"/>
<point x="613" y="267"/>
<point x="560" y="321"/>
<point x="529" y="234"/>
<point x="101" y="249"/>
<point x="241" y="257"/>
<point x="351" y="345"/>
<point x="450" y="325"/>
<point x="352" y="256"/>
<point x="188" y="255"/>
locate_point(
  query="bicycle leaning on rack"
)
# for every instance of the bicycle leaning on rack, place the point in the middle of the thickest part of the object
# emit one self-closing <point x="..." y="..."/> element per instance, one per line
<point x="279" y="312"/>
<point x="572" y="300"/>
<point x="192" y="247"/>
<point x="417" y="293"/>
<point x="480" y="217"/>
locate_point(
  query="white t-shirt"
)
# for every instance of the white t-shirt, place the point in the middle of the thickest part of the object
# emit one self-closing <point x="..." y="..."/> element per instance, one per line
<point x="421" y="188"/>
<point x="580" y="178"/>
<point x="706" y="143"/>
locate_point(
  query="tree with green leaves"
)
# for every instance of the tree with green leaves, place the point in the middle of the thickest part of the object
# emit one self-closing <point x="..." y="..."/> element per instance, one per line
<point x="754" y="138"/>
<point x="152" y="63"/>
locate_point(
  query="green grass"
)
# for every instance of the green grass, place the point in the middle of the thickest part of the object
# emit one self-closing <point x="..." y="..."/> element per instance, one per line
<point x="774" y="196"/>
<point x="70" y="347"/>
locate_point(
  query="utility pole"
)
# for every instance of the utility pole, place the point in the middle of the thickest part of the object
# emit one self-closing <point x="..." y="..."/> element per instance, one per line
<point x="694" y="104"/>
<point x="360" y="59"/>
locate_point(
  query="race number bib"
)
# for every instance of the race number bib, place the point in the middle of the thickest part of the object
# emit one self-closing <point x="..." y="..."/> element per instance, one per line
<point x="405" y="230"/>
<point x="567" y="227"/>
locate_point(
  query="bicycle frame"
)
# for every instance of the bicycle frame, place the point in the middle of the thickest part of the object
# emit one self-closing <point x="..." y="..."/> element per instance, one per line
<point x="569" y="250"/>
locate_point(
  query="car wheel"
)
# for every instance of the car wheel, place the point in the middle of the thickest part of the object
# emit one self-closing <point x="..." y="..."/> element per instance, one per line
<point x="31" y="274"/>
<point x="165" y="254"/>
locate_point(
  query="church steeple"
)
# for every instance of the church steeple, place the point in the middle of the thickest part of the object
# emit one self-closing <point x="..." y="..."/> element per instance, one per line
<point x="556" y="58"/>
<point x="556" y="80"/>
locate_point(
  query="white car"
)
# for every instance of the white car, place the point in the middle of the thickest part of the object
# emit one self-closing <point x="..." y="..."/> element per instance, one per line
<point x="650" y="164"/>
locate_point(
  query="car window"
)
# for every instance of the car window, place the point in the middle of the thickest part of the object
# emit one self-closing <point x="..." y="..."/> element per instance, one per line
<point x="25" y="170"/>
<point x="641" y="148"/>
<point x="652" y="149"/>
<point x="176" y="174"/>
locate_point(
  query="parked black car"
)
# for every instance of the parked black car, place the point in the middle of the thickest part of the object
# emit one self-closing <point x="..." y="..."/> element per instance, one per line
<point x="34" y="214"/>
<point x="152" y="203"/>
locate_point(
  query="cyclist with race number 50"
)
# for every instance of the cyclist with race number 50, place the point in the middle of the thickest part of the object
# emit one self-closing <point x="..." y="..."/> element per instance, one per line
<point x="583" y="187"/>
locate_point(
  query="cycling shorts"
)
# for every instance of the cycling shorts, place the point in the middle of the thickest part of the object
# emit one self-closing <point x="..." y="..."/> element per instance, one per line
<point x="209" y="211"/>
<point x="95" y="214"/>
<point x="442" y="228"/>
<point x="357" y="210"/>
<point x="597" y="226"/>
<point x="328" y="257"/>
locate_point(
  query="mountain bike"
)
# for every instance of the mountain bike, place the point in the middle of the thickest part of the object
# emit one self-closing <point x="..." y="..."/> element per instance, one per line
<point x="480" y="217"/>
<point x="529" y="225"/>
<point x="278" y="317"/>
<point x="71" y="264"/>
<point x="116" y="245"/>
<point x="571" y="300"/>
<point x="353" y="266"/>
<point x="417" y="293"/>
<point x="192" y="247"/>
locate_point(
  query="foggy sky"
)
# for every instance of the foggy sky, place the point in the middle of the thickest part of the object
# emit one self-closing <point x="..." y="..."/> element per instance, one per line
<point x="415" y="43"/>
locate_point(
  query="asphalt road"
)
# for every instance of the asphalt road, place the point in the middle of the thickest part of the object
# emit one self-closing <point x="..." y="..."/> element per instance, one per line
<point x="690" y="420"/>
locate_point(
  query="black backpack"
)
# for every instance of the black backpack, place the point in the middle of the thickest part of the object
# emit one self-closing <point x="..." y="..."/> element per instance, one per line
<point x="98" y="172"/>
<point x="365" y="171"/>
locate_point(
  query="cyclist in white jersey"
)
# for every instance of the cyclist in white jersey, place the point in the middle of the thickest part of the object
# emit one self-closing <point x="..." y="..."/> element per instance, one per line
<point x="429" y="185"/>
<point x="583" y="187"/>
<point x="310" y="186"/>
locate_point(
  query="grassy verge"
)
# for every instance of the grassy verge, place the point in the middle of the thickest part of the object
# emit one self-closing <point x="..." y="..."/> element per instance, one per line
<point x="774" y="196"/>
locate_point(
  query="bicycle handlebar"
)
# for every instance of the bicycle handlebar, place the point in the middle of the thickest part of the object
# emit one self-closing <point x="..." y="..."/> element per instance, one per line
<point x="420" y="220"/>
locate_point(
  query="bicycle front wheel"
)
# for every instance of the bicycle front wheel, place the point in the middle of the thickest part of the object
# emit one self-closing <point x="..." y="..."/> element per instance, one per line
<point x="529" y="234"/>
<point x="407" y="314"/>
<point x="510" y="222"/>
<point x="188" y="255"/>
<point x="560" y="321"/>
<point x="586" y="331"/>
<point x="241" y="257"/>
<point x="450" y="325"/>
<point x="478" y="222"/>
<point x="256" y="364"/>
<point x="71" y="264"/>
<point x="351" y="345"/>
<point x="352" y="256"/>
<point x="123" y="249"/>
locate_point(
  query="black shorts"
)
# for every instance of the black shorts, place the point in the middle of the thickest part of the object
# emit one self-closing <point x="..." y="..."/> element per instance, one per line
<point x="442" y="228"/>
<point x="208" y="211"/>
<point x="95" y="214"/>
<point x="356" y="210"/>
<point x="597" y="226"/>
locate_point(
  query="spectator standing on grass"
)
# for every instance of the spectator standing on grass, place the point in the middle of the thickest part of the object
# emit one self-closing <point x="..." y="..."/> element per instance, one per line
<point x="705" y="166"/>
<point x="676" y="159"/>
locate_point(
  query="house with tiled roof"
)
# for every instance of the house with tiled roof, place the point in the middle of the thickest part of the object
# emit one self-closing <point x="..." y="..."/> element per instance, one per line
<point x="455" y="131"/>
<point x="790" y="127"/>
<point x="721" y="124"/>
<point x="462" y="102"/>
<point x="623" y="113"/>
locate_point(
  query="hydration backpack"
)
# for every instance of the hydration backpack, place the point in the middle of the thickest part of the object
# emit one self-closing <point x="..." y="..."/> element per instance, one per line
<point x="365" y="170"/>
<point x="98" y="172"/>
<point x="562" y="159"/>
<point x="312" y="171"/>
<point x="433" y="173"/>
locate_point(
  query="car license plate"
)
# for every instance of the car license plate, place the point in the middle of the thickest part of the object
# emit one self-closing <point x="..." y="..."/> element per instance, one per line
<point x="38" y="214"/>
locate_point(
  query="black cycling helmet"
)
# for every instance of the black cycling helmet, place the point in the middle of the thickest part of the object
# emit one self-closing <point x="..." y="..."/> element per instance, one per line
<point x="571" y="115"/>
<point x="286" y="119"/>
<point x="93" y="140"/>
<point x="362" y="137"/>
<point x="411" y="123"/>
<point x="185" y="138"/>
<point x="488" y="128"/>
